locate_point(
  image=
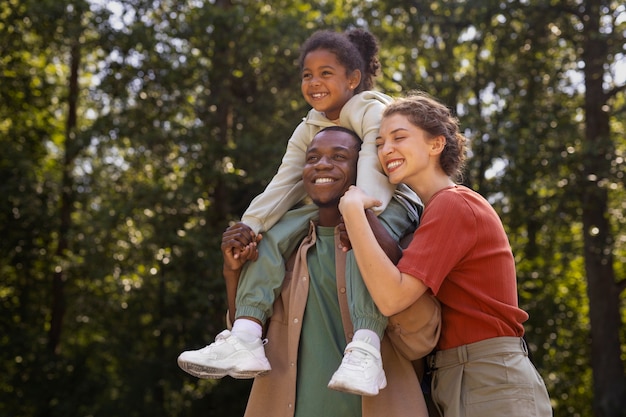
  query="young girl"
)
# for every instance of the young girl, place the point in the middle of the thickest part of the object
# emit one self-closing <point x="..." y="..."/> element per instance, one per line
<point x="338" y="73"/>
<point x="461" y="253"/>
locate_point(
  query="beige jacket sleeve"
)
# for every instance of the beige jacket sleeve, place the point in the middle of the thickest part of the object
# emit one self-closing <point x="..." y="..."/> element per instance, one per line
<point x="286" y="188"/>
<point x="362" y="114"/>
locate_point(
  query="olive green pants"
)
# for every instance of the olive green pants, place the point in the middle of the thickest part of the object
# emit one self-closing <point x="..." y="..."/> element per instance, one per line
<point x="261" y="280"/>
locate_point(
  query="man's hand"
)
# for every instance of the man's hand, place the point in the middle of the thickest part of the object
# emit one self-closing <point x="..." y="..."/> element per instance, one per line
<point x="344" y="239"/>
<point x="239" y="244"/>
<point x="382" y="236"/>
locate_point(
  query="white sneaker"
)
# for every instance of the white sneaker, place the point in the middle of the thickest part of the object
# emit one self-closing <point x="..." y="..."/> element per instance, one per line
<point x="361" y="370"/>
<point x="228" y="355"/>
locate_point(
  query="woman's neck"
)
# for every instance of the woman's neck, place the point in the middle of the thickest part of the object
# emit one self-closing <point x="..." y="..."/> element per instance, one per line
<point x="427" y="188"/>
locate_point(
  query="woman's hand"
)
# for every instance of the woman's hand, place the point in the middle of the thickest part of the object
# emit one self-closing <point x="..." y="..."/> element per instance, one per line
<point x="356" y="199"/>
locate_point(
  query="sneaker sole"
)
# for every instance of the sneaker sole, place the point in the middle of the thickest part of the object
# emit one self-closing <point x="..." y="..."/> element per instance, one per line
<point x="238" y="374"/>
<point x="351" y="388"/>
<point x="208" y="372"/>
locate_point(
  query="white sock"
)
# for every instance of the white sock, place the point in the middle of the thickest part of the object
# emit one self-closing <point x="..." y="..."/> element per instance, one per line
<point x="367" y="336"/>
<point x="246" y="329"/>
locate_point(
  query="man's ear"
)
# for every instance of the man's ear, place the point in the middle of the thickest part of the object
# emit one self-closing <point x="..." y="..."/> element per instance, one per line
<point x="354" y="79"/>
<point x="437" y="144"/>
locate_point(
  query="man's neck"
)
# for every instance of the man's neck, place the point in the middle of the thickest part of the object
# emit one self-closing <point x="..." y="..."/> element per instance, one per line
<point x="329" y="216"/>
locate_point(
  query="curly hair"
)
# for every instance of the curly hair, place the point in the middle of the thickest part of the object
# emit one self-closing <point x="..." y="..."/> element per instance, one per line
<point x="354" y="49"/>
<point x="436" y="119"/>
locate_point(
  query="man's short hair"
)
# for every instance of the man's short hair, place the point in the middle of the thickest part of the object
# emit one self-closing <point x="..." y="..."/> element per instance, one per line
<point x="346" y="130"/>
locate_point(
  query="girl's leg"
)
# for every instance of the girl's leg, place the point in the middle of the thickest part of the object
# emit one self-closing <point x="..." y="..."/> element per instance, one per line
<point x="241" y="353"/>
<point x="364" y="313"/>
<point x="361" y="371"/>
<point x="262" y="279"/>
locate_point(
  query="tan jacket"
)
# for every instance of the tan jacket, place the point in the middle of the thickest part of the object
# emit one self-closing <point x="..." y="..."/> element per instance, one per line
<point x="274" y="394"/>
<point x="361" y="114"/>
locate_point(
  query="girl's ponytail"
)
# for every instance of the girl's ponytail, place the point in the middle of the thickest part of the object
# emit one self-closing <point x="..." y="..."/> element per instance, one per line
<point x="367" y="46"/>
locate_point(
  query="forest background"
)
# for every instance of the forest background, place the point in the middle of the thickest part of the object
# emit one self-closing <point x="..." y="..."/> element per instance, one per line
<point x="133" y="131"/>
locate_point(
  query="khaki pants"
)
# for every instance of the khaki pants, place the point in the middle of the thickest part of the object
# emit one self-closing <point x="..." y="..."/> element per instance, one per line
<point x="490" y="378"/>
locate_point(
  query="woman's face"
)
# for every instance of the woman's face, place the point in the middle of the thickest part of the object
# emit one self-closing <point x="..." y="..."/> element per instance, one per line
<point x="325" y="85"/>
<point x="404" y="150"/>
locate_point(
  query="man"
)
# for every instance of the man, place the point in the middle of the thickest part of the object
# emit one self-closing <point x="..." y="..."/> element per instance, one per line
<point x="310" y="324"/>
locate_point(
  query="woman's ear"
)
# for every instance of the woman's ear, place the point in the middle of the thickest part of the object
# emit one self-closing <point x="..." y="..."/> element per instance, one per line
<point x="437" y="144"/>
<point x="354" y="79"/>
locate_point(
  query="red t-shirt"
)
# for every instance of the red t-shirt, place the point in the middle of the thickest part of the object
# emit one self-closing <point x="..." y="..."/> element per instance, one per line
<point x="461" y="252"/>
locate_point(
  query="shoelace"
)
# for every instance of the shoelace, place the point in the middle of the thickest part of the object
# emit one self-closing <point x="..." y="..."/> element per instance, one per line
<point x="356" y="356"/>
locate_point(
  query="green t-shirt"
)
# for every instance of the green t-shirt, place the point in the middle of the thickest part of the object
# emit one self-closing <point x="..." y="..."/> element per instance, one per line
<point x="322" y="339"/>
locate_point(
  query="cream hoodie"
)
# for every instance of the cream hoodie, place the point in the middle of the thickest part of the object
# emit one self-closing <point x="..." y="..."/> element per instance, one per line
<point x="361" y="114"/>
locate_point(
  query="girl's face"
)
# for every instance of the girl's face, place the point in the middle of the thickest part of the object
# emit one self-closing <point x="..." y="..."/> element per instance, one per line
<point x="404" y="150"/>
<point x="325" y="85"/>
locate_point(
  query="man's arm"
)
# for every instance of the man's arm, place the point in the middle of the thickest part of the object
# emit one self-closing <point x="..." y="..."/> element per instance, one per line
<point x="389" y="245"/>
<point x="383" y="237"/>
<point x="232" y="280"/>
<point x="236" y="251"/>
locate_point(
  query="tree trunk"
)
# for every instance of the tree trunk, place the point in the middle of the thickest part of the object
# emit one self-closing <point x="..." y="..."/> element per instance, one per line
<point x="65" y="211"/>
<point x="604" y="294"/>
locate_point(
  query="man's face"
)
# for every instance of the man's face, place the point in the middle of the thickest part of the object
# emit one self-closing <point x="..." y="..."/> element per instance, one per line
<point x="330" y="167"/>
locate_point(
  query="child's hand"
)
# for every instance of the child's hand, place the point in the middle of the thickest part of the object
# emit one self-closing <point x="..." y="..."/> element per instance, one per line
<point x="241" y="243"/>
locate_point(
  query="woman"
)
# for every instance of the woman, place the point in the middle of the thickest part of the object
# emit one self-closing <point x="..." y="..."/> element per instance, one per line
<point x="461" y="254"/>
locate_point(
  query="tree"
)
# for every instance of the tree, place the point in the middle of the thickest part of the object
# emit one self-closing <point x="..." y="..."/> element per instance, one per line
<point x="509" y="69"/>
<point x="133" y="131"/>
<point x="595" y="25"/>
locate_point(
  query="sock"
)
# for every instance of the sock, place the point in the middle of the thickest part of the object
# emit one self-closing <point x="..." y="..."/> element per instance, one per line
<point x="247" y="330"/>
<point x="368" y="336"/>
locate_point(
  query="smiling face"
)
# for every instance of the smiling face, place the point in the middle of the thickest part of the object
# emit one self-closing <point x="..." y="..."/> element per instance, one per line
<point x="325" y="84"/>
<point x="330" y="167"/>
<point x="404" y="150"/>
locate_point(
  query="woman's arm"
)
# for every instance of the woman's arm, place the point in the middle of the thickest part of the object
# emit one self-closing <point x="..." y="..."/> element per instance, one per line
<point x="391" y="290"/>
<point x="389" y="245"/>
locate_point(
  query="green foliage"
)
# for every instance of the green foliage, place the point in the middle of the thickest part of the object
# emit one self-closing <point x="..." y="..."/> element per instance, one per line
<point x="184" y="111"/>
